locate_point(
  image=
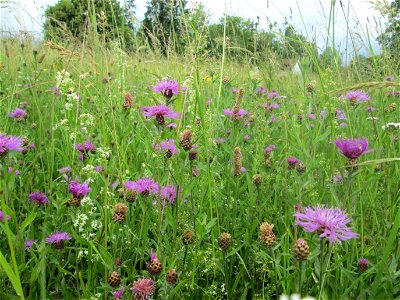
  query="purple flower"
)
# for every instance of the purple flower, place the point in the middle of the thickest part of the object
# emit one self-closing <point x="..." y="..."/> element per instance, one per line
<point x="167" y="87"/>
<point x="246" y="138"/>
<point x="235" y="90"/>
<point x="38" y="198"/>
<point x="143" y="289"/>
<point x="311" y="116"/>
<point x="270" y="107"/>
<point x="9" y="143"/>
<point x="338" y="178"/>
<point x="292" y="161"/>
<point x="19" y="114"/>
<point x="79" y="190"/>
<point x="168" y="193"/>
<point x="171" y="126"/>
<point x="239" y="114"/>
<point x="119" y="293"/>
<point x="340" y="115"/>
<point x="330" y="223"/>
<point x="261" y="90"/>
<point x="160" y="112"/>
<point x="353" y="148"/>
<point x="66" y="169"/>
<point x="85" y="147"/>
<point x="219" y="141"/>
<point x="57" y="238"/>
<point x="12" y="170"/>
<point x="208" y="102"/>
<point x="144" y="186"/>
<point x="323" y="114"/>
<point x="167" y="146"/>
<point x="274" y="95"/>
<point x="268" y="149"/>
<point x="243" y="170"/>
<point x="2" y="216"/>
<point x="272" y="120"/>
<point x="29" y="243"/>
<point x="390" y="78"/>
<point x="370" y="109"/>
<point x="357" y="96"/>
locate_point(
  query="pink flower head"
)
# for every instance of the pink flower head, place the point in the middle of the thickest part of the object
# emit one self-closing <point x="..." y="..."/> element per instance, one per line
<point x="66" y="169"/>
<point x="144" y="186"/>
<point x="167" y="146"/>
<point x="330" y="223"/>
<point x="274" y="95"/>
<point x="57" y="238"/>
<point x="9" y="143"/>
<point x="86" y="147"/>
<point x="167" y="87"/>
<point x="119" y="293"/>
<point x="353" y="148"/>
<point x="159" y="111"/>
<point x="18" y="113"/>
<point x="79" y="190"/>
<point x="38" y="198"/>
<point x="29" y="243"/>
<point x="239" y="114"/>
<point x="143" y="289"/>
<point x="370" y="109"/>
<point x="235" y="90"/>
<point x="2" y="216"/>
<point x="268" y="149"/>
<point x="292" y="160"/>
<point x="168" y="193"/>
<point x="261" y="90"/>
<point x="357" y="96"/>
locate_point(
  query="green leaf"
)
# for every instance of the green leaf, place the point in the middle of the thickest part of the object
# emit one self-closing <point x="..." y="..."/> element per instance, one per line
<point x="28" y="221"/>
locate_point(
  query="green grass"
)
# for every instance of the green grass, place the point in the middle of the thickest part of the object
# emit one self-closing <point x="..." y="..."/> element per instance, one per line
<point x="209" y="204"/>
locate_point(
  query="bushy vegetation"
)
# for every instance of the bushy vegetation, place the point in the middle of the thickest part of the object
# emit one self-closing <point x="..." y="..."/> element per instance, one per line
<point x="211" y="171"/>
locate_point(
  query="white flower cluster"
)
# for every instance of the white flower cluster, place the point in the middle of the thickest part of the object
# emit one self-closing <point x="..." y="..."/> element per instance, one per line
<point x="62" y="124"/>
<point x="63" y="81"/>
<point x="68" y="106"/>
<point x="105" y="153"/>
<point x="391" y="126"/>
<point x="72" y="96"/>
<point x="86" y="120"/>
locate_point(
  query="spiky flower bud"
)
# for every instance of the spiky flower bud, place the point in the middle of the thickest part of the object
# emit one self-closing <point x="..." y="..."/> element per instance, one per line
<point x="172" y="276"/>
<point x="257" y="179"/>
<point x="114" y="279"/>
<point x="301" y="250"/>
<point x="236" y="107"/>
<point x="188" y="237"/>
<point x="120" y="208"/>
<point x="128" y="101"/>
<point x="154" y="267"/>
<point x="237" y="161"/>
<point x="363" y="265"/>
<point x="267" y="236"/>
<point x="225" y="241"/>
<point x="186" y="140"/>
<point x="301" y="167"/>
<point x="351" y="164"/>
<point x="310" y="87"/>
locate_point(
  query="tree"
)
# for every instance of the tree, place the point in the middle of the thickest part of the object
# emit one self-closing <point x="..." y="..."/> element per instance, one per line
<point x="164" y="24"/>
<point x="390" y="39"/>
<point x="330" y="57"/>
<point x="75" y="14"/>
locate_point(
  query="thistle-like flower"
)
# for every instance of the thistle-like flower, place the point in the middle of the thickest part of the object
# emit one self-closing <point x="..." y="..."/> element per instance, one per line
<point x="330" y="223"/>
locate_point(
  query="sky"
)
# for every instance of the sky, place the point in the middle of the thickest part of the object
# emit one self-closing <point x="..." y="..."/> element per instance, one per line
<point x="309" y="17"/>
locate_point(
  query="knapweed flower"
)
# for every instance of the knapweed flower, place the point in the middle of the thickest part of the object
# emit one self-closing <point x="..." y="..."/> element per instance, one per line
<point x="292" y="161"/>
<point x="232" y="115"/>
<point x="357" y="96"/>
<point x="274" y="95"/>
<point x="18" y="114"/>
<point x="160" y="112"/>
<point x="363" y="264"/>
<point x="390" y="78"/>
<point x="29" y="243"/>
<point x="340" y="115"/>
<point x="2" y="216"/>
<point x="57" y="238"/>
<point x="168" y="193"/>
<point x="330" y="223"/>
<point x="353" y="148"/>
<point x="38" y="198"/>
<point x="9" y="143"/>
<point x="268" y="150"/>
<point x="144" y="186"/>
<point x="370" y="109"/>
<point x="85" y="148"/>
<point x="119" y="293"/>
<point x="168" y="147"/>
<point x="261" y="90"/>
<point x="143" y="289"/>
<point x="79" y="190"/>
<point x="167" y="87"/>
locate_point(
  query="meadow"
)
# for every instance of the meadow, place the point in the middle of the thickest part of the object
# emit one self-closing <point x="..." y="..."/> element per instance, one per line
<point x="137" y="175"/>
